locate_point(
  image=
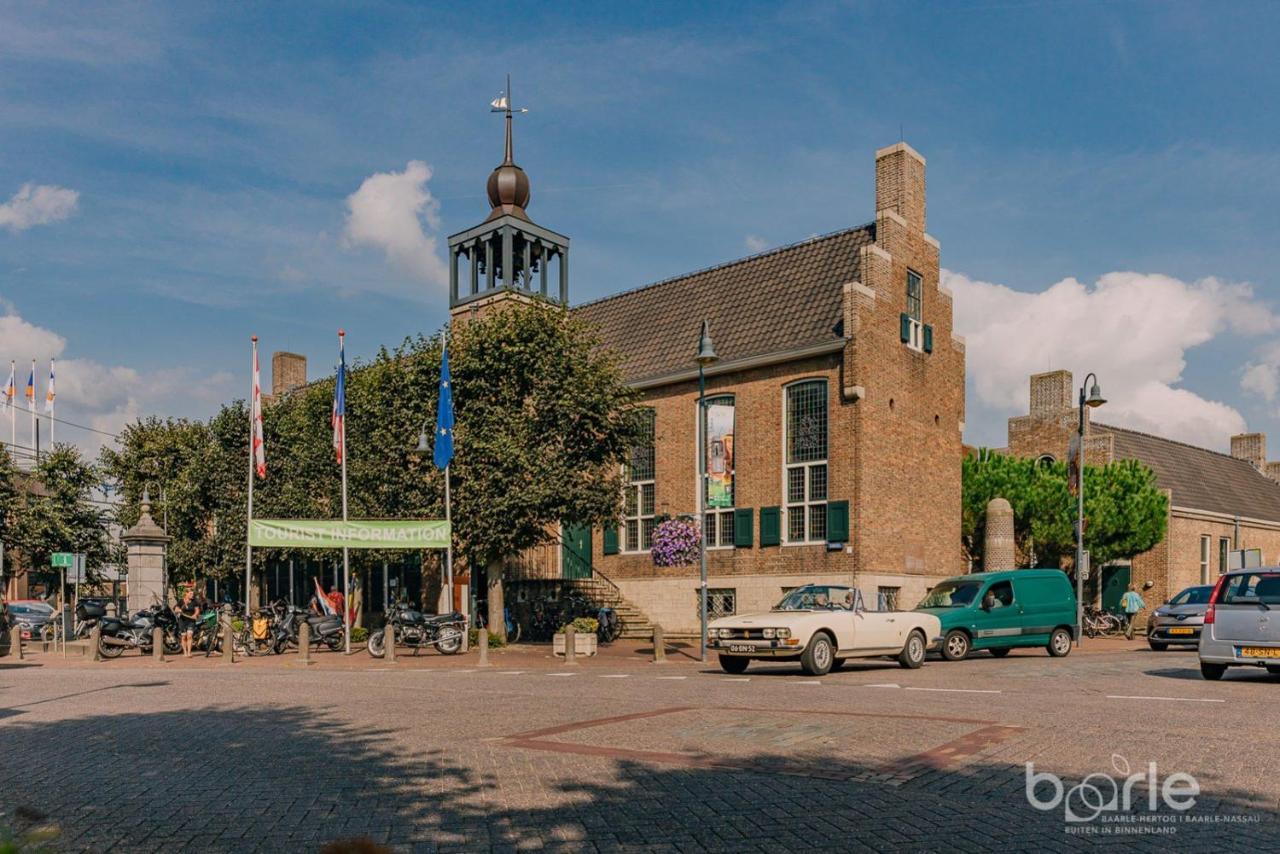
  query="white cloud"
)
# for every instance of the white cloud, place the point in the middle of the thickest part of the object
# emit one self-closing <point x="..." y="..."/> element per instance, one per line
<point x="104" y="397"/>
<point x="1133" y="329"/>
<point x="756" y="244"/>
<point x="386" y="213"/>
<point x="37" y="204"/>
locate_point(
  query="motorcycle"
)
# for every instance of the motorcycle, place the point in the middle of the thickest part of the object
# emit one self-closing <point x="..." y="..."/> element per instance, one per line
<point x="609" y="627"/>
<point x="418" y="631"/>
<point x="326" y="629"/>
<point x="116" y="634"/>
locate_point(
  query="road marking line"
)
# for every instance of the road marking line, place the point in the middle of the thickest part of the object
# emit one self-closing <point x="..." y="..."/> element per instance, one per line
<point x="510" y="672"/>
<point x="464" y="671"/>
<point x="671" y="677"/>
<point x="1172" y="699"/>
<point x="882" y="685"/>
<point x="562" y="674"/>
<point x="735" y="678"/>
<point x="958" y="690"/>
<point x="808" y="682"/>
<point x="614" y="675"/>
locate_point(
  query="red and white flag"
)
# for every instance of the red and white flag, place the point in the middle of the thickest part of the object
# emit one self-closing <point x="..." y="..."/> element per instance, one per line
<point x="339" y="417"/>
<point x="255" y="415"/>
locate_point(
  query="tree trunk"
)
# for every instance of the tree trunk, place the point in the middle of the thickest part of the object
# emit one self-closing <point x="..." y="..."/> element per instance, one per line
<point x="497" y="618"/>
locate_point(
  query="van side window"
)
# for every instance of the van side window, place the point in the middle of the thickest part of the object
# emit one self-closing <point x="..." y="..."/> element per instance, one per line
<point x="999" y="595"/>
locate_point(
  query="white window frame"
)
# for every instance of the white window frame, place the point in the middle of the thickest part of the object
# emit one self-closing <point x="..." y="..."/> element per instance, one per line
<point x="809" y="503"/>
<point x="1206" y="558"/>
<point x="915" y="323"/>
<point x="699" y="430"/>
<point x="634" y="490"/>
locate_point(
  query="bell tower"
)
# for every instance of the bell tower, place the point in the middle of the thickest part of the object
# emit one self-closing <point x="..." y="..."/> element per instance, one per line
<point x="507" y="254"/>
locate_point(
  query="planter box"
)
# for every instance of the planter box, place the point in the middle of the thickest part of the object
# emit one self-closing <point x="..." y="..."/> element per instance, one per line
<point x="583" y="644"/>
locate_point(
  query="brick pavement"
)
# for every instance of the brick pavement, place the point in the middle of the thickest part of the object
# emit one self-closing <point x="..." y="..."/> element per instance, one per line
<point x="141" y="757"/>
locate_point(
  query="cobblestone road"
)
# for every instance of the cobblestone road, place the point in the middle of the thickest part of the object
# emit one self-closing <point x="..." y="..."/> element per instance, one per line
<point x="625" y="756"/>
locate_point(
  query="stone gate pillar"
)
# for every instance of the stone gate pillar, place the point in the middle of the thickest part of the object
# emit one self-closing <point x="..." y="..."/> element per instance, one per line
<point x="998" y="550"/>
<point x="146" y="543"/>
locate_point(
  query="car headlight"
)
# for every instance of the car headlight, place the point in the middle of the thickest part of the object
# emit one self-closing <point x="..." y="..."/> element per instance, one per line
<point x="783" y="633"/>
<point x="766" y="633"/>
<point x="711" y="633"/>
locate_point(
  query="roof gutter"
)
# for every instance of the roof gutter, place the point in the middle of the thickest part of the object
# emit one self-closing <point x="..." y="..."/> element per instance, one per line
<point x="1230" y="518"/>
<point x="833" y="346"/>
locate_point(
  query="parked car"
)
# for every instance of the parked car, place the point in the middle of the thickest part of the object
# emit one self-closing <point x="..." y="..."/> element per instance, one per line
<point x="1242" y="623"/>
<point x="998" y="611"/>
<point x="821" y="626"/>
<point x="1178" y="621"/>
<point x="30" y="616"/>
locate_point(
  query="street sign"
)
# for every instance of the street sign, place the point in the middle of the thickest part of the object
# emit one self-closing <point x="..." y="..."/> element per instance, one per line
<point x="63" y="560"/>
<point x="355" y="534"/>
<point x="1085" y="566"/>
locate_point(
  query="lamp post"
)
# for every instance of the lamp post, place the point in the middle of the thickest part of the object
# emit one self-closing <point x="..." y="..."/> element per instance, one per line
<point x="1093" y="401"/>
<point x="706" y="358"/>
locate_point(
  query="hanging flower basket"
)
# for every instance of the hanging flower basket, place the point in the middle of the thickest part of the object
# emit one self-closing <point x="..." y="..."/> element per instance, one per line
<point x="676" y="543"/>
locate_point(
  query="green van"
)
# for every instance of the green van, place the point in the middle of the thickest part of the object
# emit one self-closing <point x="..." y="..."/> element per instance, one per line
<point x="998" y="611"/>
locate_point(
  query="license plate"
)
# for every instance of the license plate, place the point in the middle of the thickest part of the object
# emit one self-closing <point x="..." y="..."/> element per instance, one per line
<point x="1259" y="652"/>
<point x="1182" y="631"/>
<point x="741" y="647"/>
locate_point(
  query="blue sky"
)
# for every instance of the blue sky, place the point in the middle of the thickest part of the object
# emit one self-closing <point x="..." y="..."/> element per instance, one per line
<point x="210" y="151"/>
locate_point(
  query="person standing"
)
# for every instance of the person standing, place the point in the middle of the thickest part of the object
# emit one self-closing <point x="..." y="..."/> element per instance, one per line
<point x="1132" y="603"/>
<point x="188" y="614"/>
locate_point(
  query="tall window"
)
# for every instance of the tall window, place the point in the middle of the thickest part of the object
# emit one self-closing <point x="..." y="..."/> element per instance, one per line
<point x="806" y="461"/>
<point x="718" y="470"/>
<point x="639" y="502"/>
<point x="914" y="309"/>
<point x="1206" y="546"/>
<point x="1224" y="547"/>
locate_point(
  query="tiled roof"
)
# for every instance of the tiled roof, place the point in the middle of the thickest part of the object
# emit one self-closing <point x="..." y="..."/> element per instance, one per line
<point x="784" y="299"/>
<point x="1199" y="478"/>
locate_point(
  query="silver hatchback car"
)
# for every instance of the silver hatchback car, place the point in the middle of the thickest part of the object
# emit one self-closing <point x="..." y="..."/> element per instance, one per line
<point x="1178" y="621"/>
<point x="1242" y="623"/>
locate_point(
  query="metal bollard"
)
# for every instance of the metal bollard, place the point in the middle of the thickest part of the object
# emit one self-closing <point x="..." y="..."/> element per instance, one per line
<point x="389" y="642"/>
<point x="482" y="641"/>
<point x="659" y="645"/>
<point x="157" y="644"/>
<point x="570" y="645"/>
<point x="95" y="643"/>
<point x="228" y="646"/>
<point x="466" y="637"/>
<point x="304" y="643"/>
<point x="15" y="642"/>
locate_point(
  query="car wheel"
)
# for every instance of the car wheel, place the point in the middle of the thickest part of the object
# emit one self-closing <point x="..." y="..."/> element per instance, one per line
<point x="818" y="656"/>
<point x="1273" y="669"/>
<point x="1000" y="651"/>
<point x="1060" y="643"/>
<point x="1212" y="672"/>
<point x="955" y="645"/>
<point x="912" y="655"/>
<point x="1157" y="646"/>
<point x="734" y="663"/>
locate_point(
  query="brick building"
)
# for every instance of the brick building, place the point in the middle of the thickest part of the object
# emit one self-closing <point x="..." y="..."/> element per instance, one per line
<point x="1218" y="503"/>
<point x="835" y="410"/>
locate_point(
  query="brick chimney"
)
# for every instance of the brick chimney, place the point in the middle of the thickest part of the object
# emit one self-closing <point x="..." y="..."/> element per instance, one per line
<point x="1251" y="447"/>
<point x="1273" y="471"/>
<point x="900" y="183"/>
<point x="288" y="371"/>
<point x="1050" y="393"/>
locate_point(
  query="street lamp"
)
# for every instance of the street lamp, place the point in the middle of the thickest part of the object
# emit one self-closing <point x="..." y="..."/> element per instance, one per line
<point x="1093" y="401"/>
<point x="706" y="358"/>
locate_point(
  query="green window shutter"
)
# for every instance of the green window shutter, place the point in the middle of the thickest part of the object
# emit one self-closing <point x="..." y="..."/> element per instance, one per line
<point x="743" y="533"/>
<point x="610" y="540"/>
<point x="837" y="521"/>
<point x="928" y="339"/>
<point x="770" y="526"/>
<point x="904" y="327"/>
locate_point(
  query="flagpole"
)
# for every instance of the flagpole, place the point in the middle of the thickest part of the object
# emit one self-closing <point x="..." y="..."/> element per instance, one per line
<point x="248" y="544"/>
<point x="12" y="393"/>
<point x="50" y="395"/>
<point x="346" y="552"/>
<point x="31" y="404"/>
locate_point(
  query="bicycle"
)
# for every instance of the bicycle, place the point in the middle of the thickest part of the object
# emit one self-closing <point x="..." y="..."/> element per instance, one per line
<point x="1099" y="623"/>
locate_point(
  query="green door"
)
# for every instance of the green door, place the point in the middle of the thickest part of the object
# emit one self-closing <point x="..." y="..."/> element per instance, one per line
<point x="1115" y="581"/>
<point x="575" y="558"/>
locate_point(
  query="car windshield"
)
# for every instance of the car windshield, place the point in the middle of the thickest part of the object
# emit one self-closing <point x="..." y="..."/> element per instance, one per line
<point x="951" y="594"/>
<point x="1193" y="596"/>
<point x="33" y="609"/>
<point x="814" y="597"/>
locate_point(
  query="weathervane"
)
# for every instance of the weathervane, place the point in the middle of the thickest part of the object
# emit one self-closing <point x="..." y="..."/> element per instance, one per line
<point x="502" y="104"/>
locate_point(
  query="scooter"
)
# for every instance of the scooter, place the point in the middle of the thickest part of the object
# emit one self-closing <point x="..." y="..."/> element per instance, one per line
<point x="326" y="629"/>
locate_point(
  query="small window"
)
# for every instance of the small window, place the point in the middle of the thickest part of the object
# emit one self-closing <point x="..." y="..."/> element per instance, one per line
<point x="887" y="598"/>
<point x="1046" y="460"/>
<point x="1206" y="549"/>
<point x="1224" y="554"/>
<point x="998" y="595"/>
<point x="721" y="602"/>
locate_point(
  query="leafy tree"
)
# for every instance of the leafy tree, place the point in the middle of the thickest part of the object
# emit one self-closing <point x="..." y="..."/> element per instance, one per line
<point x="9" y="506"/>
<point x="1125" y="512"/>
<point x="59" y="513"/>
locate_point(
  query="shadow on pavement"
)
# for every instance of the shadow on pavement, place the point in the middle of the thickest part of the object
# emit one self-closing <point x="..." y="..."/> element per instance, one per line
<point x="291" y="778"/>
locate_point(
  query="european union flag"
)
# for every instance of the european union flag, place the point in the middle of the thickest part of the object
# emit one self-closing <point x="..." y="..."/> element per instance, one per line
<point x="444" y="416"/>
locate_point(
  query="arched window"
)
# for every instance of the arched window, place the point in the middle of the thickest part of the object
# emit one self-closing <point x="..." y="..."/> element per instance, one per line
<point x="805" y="461"/>
<point x="640" y="500"/>
<point x="1046" y="460"/>
<point x="717" y="462"/>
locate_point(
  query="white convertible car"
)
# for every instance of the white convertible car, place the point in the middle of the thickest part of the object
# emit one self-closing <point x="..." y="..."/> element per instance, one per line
<point x="821" y="625"/>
